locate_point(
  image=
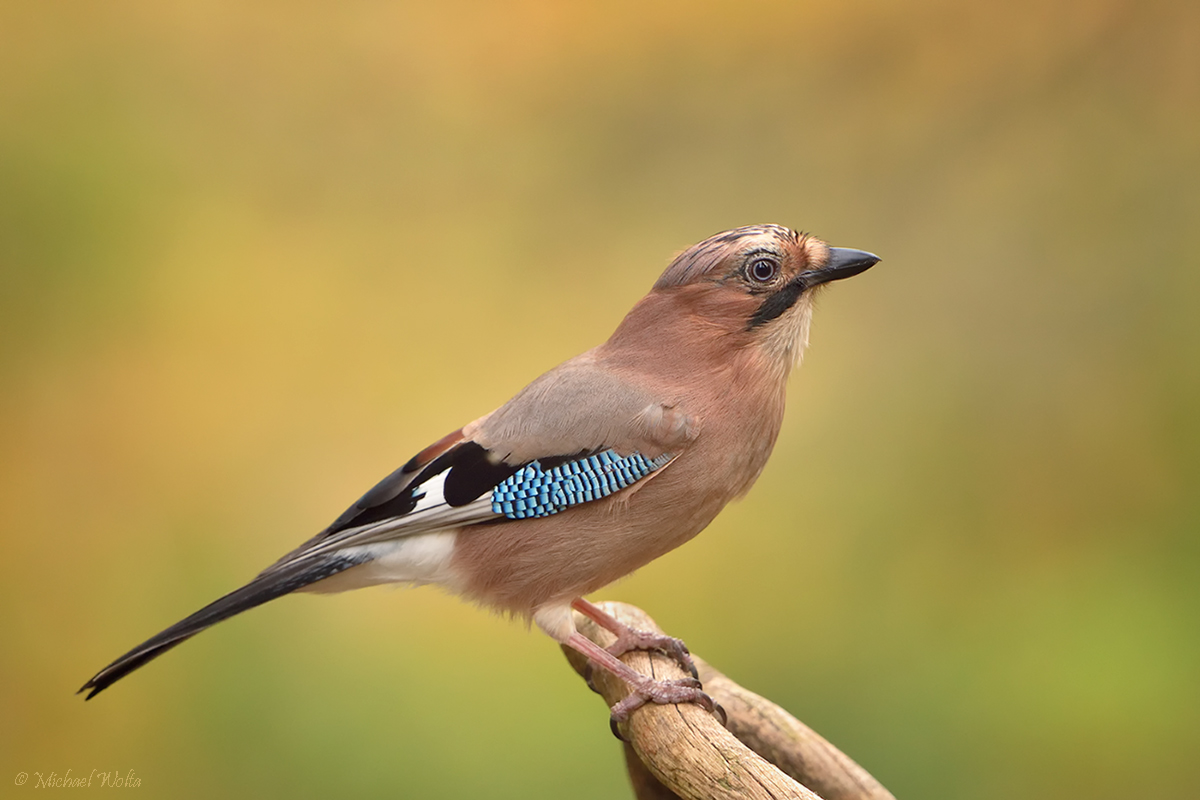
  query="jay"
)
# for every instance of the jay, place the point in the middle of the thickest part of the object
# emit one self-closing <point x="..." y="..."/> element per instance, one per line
<point x="594" y="469"/>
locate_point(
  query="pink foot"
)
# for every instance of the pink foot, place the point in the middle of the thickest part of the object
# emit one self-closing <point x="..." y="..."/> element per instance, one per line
<point x="684" y="690"/>
<point x="642" y="688"/>
<point x="633" y="639"/>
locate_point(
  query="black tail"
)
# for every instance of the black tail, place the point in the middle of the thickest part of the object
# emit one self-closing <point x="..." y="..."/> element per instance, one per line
<point x="274" y="582"/>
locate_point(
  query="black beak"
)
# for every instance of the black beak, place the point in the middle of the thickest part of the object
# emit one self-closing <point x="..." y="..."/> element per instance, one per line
<point x="843" y="263"/>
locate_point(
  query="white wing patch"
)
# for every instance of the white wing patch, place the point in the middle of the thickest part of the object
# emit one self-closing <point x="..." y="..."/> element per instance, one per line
<point x="430" y="494"/>
<point x="431" y="513"/>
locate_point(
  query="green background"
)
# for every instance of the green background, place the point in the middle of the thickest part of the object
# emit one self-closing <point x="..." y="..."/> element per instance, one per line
<point x="254" y="256"/>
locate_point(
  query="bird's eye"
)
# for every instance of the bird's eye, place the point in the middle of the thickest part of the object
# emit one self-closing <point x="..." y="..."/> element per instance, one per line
<point x="763" y="270"/>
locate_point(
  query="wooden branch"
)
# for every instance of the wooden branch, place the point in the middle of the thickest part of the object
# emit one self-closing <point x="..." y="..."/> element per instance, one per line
<point x="684" y="752"/>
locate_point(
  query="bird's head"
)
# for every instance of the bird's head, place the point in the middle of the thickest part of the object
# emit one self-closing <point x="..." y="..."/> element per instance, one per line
<point x="759" y="281"/>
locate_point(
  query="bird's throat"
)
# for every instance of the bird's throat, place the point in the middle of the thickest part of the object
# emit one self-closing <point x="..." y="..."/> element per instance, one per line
<point x="786" y="338"/>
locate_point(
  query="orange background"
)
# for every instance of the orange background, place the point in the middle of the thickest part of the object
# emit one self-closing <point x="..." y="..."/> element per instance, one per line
<point x="255" y="256"/>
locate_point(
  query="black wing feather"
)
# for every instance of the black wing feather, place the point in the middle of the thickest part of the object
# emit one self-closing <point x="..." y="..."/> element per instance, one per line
<point x="265" y="587"/>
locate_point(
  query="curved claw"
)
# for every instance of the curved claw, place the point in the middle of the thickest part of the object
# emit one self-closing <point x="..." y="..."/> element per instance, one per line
<point x="615" y="727"/>
<point x="684" y="656"/>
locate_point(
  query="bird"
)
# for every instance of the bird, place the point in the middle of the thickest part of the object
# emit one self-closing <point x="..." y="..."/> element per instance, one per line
<point x="600" y="465"/>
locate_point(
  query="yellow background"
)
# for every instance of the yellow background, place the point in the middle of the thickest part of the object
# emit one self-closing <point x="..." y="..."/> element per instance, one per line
<point x="254" y="256"/>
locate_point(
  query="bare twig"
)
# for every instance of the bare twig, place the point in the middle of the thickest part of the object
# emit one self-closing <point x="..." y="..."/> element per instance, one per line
<point x="683" y="751"/>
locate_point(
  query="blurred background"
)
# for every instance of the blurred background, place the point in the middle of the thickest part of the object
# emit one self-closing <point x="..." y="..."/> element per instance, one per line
<point x="256" y="256"/>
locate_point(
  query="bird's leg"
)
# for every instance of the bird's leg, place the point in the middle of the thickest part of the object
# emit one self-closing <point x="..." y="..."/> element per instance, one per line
<point x="643" y="689"/>
<point x="632" y="639"/>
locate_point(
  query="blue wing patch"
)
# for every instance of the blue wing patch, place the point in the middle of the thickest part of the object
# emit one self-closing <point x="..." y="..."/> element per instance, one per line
<point x="535" y="492"/>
